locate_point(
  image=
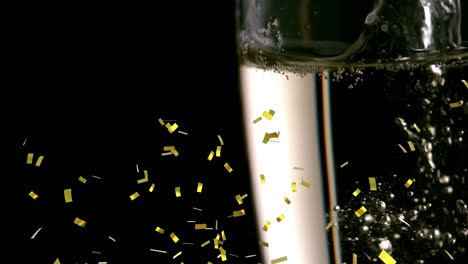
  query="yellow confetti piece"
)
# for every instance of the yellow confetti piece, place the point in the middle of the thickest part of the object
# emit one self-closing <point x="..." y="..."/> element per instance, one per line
<point x="57" y="261"/>
<point x="29" y="159"/>
<point x="250" y="256"/>
<point x="279" y="218"/>
<point x="269" y="136"/>
<point x="372" y="184"/>
<point x="220" y="140"/>
<point x="402" y="148"/>
<point x="39" y="161"/>
<point x="216" y="224"/>
<point x="176" y="255"/>
<point x="344" y="164"/>
<point x="257" y="120"/>
<point x="411" y="146"/>
<point x="278" y="260"/>
<point x="238" y="213"/>
<point x="35" y="233"/>
<point x="223" y="235"/>
<point x="206" y="243"/>
<point x="360" y="211"/>
<point x="177" y="192"/>
<point x="210" y="157"/>
<point x="68" y="195"/>
<point x="244" y="196"/>
<point x="172" y="150"/>
<point x="417" y="128"/>
<point x="328" y="226"/>
<point x="239" y="199"/>
<point x="171" y="128"/>
<point x="134" y="196"/>
<point x="386" y="258"/>
<point x="111" y="238"/>
<point x="215" y="242"/>
<point x="262" y="178"/>
<point x="161" y="121"/>
<point x="287" y="200"/>
<point x="356" y="192"/>
<point x="298" y="168"/>
<point x="223" y="257"/>
<point x="199" y="187"/>
<point x="79" y="222"/>
<point x="306" y="184"/>
<point x="218" y="151"/>
<point x="151" y="188"/>
<point x="159" y="230"/>
<point x="166" y="153"/>
<point x="266" y="226"/>
<point x="354" y="258"/>
<point x="200" y="226"/>
<point x="183" y="133"/>
<point x="145" y="179"/>
<point x="268" y="115"/>
<point x="174" y="237"/>
<point x="33" y="195"/>
<point x="456" y="104"/>
<point x="408" y="183"/>
<point x="261" y="243"/>
<point x="81" y="179"/>
<point x="465" y="83"/>
<point x="293" y="186"/>
<point x="450" y="256"/>
<point x="228" y="168"/>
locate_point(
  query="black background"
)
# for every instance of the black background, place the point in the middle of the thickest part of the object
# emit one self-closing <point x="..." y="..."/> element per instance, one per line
<point x="84" y="87"/>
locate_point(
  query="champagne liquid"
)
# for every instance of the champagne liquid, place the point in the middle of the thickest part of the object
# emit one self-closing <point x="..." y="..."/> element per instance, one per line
<point x="359" y="114"/>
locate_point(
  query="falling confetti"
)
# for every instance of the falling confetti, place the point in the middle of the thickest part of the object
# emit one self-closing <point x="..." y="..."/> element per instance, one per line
<point x="238" y="213"/>
<point x="183" y="133"/>
<point x="266" y="226"/>
<point x="261" y="243"/>
<point x="287" y="200"/>
<point x="157" y="250"/>
<point x="262" y="178"/>
<point x="293" y="187"/>
<point x="280" y="218"/>
<point x="402" y="148"/>
<point x="223" y="235"/>
<point x="33" y="195"/>
<point x="220" y="140"/>
<point x="328" y="226"/>
<point x="81" y="179"/>
<point x="176" y="255"/>
<point x="456" y="104"/>
<point x="206" y="243"/>
<point x="268" y="115"/>
<point x="372" y="184"/>
<point x="344" y="164"/>
<point x="411" y="146"/>
<point x="35" y="233"/>
<point x="79" y="222"/>
<point x="228" y="168"/>
<point x="200" y="226"/>
<point x="386" y="258"/>
<point x="161" y="121"/>
<point x="145" y="179"/>
<point x="172" y="150"/>
<point x="306" y="184"/>
<point x="134" y="196"/>
<point x="39" y="161"/>
<point x="177" y="192"/>
<point x="199" y="187"/>
<point x="417" y="128"/>
<point x="257" y="120"/>
<point x="210" y="157"/>
<point x="29" y="159"/>
<point x="68" y="195"/>
<point x="218" y="151"/>
<point x="159" y="230"/>
<point x="450" y="256"/>
<point x="57" y="261"/>
<point x="174" y="237"/>
<point x="171" y="128"/>
<point x="239" y="199"/>
<point x="354" y="258"/>
<point x="356" y="192"/>
<point x="151" y="188"/>
<point x="360" y="211"/>
<point x="465" y="83"/>
<point x="278" y="260"/>
<point x="112" y="239"/>
<point x="408" y="183"/>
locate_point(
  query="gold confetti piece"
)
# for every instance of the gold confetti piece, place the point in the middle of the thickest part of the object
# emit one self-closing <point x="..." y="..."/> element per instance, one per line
<point x="111" y="238"/>
<point x="228" y="168"/>
<point x="199" y="187"/>
<point x="306" y="184"/>
<point x="134" y="196"/>
<point x="223" y="235"/>
<point x="68" y="195"/>
<point x="408" y="183"/>
<point x="218" y="151"/>
<point x="238" y="213"/>
<point x="328" y="226"/>
<point x="372" y="184"/>
<point x="417" y="128"/>
<point x="171" y="149"/>
<point x="450" y="256"/>
<point x="278" y="260"/>
<point x="216" y="225"/>
<point x="287" y="200"/>
<point x="244" y="196"/>
<point x="29" y="160"/>
<point x="354" y="258"/>
<point x="157" y="250"/>
<point x="269" y="136"/>
<point x="145" y="179"/>
<point x="298" y="168"/>
<point x="266" y="226"/>
<point x="161" y="121"/>
<point x="411" y="146"/>
<point x="267" y="115"/>
<point x="151" y="188"/>
<point x="206" y="243"/>
<point x="166" y="153"/>
<point x="176" y="255"/>
<point x="177" y="192"/>
<point x="39" y="161"/>
<point x="293" y="186"/>
<point x="220" y="140"/>
<point x="250" y="256"/>
<point x="262" y="178"/>
<point x="386" y="258"/>
<point x="35" y="233"/>
<point x="200" y="226"/>
<point x="159" y="230"/>
<point x="465" y="83"/>
<point x="210" y="157"/>
<point x="79" y="222"/>
<point x="174" y="237"/>
<point x="456" y="104"/>
<point x="171" y="128"/>
<point x="344" y="164"/>
<point x="402" y="148"/>
<point x="215" y="242"/>
<point x="356" y="192"/>
<point x="223" y="257"/>
<point x="81" y="179"/>
<point x="239" y="199"/>
<point x="261" y="243"/>
<point x="279" y="218"/>
<point x="183" y="133"/>
<point x="57" y="261"/>
<point x="257" y="120"/>
<point x="33" y="195"/>
<point x="360" y="211"/>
